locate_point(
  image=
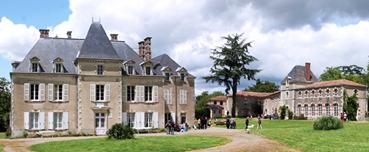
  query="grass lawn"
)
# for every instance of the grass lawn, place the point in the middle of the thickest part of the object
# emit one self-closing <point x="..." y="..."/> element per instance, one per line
<point x="1" y="148"/>
<point x="140" y="144"/>
<point x="300" y="134"/>
<point x="2" y="135"/>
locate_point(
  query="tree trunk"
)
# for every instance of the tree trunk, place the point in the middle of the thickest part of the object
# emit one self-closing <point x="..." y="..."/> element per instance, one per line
<point x="234" y="95"/>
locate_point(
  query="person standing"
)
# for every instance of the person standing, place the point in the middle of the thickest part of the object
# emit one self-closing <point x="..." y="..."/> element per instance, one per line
<point x="259" y="123"/>
<point x="247" y="122"/>
<point x="227" y="123"/>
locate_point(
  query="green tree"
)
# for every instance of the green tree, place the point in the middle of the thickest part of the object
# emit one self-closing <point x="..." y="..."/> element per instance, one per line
<point x="231" y="63"/>
<point x="352" y="72"/>
<point x="331" y="73"/>
<point x="201" y="103"/>
<point x="263" y="86"/>
<point x="4" y="104"/>
<point x="350" y="105"/>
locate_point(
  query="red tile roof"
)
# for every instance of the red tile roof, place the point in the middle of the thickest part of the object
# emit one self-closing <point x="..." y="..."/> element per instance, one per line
<point x="341" y="82"/>
<point x="218" y="98"/>
<point x="253" y="94"/>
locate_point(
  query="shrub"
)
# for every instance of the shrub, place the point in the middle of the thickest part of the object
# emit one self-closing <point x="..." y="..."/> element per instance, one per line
<point x="120" y="131"/>
<point x="327" y="123"/>
<point x="283" y="110"/>
<point x="290" y="114"/>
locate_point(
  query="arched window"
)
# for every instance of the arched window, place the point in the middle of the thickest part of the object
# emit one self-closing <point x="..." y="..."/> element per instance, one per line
<point x="327" y="109"/>
<point x="319" y="109"/>
<point x="327" y="92"/>
<point x="306" y="110"/>
<point x="298" y="110"/>
<point x="312" y="108"/>
<point x="335" y="109"/>
<point x="336" y="92"/>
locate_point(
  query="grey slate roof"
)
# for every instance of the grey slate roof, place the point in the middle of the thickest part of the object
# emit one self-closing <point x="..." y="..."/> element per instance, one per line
<point x="297" y="75"/>
<point x="97" y="44"/>
<point x="48" y="49"/>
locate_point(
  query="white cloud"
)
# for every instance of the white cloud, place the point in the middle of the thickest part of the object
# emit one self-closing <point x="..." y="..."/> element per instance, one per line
<point x="188" y="30"/>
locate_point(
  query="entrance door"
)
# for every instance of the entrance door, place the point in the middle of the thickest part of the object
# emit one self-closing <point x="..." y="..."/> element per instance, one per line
<point x="100" y="124"/>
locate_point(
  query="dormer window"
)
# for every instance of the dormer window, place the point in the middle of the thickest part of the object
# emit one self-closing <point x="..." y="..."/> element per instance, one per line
<point x="100" y="69"/>
<point x="148" y="70"/>
<point x="182" y="73"/>
<point x="167" y="76"/>
<point x="35" y="67"/>
<point x="182" y="76"/>
<point x="130" y="70"/>
<point x="58" y="68"/>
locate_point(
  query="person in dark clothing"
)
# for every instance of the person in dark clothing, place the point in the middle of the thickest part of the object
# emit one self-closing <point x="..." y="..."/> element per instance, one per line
<point x="247" y="122"/>
<point x="227" y="123"/>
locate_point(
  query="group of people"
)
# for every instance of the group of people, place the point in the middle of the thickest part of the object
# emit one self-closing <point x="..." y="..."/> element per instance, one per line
<point x="230" y="123"/>
<point x="170" y="127"/>
<point x="203" y="123"/>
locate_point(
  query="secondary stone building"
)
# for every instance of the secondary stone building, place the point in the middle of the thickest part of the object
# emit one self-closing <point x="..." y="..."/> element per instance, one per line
<point x="87" y="85"/>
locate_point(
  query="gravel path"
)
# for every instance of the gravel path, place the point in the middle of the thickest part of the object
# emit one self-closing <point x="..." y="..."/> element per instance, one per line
<point x="240" y="141"/>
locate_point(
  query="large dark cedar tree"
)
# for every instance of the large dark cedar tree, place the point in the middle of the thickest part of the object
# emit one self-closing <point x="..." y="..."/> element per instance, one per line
<point x="230" y="64"/>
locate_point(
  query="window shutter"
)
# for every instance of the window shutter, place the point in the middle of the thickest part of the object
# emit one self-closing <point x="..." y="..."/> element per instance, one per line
<point x="142" y="93"/>
<point x="65" y="120"/>
<point x="50" y="118"/>
<point x="26" y="120"/>
<point x="92" y="92"/>
<point x="138" y="120"/>
<point x="50" y="93"/>
<point x="107" y="92"/>
<point x="155" y="91"/>
<point x="180" y="96"/>
<point x="124" y="118"/>
<point x="42" y="91"/>
<point x="155" y="120"/>
<point x="65" y="92"/>
<point x="185" y="96"/>
<point x="173" y="116"/>
<point x="26" y="91"/>
<point x="142" y="117"/>
<point x="137" y="95"/>
<point x="41" y="120"/>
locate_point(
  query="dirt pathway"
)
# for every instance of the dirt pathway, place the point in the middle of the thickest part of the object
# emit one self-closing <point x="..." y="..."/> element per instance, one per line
<point x="240" y="141"/>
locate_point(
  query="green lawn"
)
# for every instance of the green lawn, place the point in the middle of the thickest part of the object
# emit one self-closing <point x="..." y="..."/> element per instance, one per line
<point x="2" y="135"/>
<point x="140" y="144"/>
<point x="300" y="134"/>
<point x="1" y="148"/>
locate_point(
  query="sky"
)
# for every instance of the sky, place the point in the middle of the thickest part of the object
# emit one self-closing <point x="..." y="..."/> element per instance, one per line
<point x="284" y="33"/>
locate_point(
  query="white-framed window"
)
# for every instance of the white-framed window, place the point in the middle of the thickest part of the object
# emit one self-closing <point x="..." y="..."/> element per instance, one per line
<point x="33" y="120"/>
<point x="58" y="92"/>
<point x="130" y="70"/>
<point x="58" y="68"/>
<point x="99" y="92"/>
<point x="148" y="93"/>
<point x="131" y="119"/>
<point x="35" y="67"/>
<point x="100" y="69"/>
<point x="320" y="109"/>
<point x="312" y="110"/>
<point x="183" y="96"/>
<point x="327" y="109"/>
<point x="58" y="120"/>
<point x="167" y="76"/>
<point x="182" y="75"/>
<point x="298" y="110"/>
<point x="335" y="109"/>
<point x="167" y="96"/>
<point x="306" y="110"/>
<point x="130" y="93"/>
<point x="148" y="119"/>
<point x="34" y="92"/>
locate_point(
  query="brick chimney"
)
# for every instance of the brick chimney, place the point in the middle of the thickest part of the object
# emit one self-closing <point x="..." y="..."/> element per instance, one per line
<point x="307" y="71"/>
<point x="114" y="37"/>
<point x="141" y="49"/>
<point x="44" y="33"/>
<point x="147" y="46"/>
<point x="69" y="34"/>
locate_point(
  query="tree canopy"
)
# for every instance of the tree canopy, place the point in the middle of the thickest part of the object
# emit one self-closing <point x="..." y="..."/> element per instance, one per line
<point x="4" y="104"/>
<point x="263" y="86"/>
<point x="201" y="103"/>
<point x="231" y="63"/>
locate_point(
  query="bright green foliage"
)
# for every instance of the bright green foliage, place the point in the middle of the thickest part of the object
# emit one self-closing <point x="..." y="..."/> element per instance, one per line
<point x="120" y="131"/>
<point x="231" y="63"/>
<point x="201" y="103"/>
<point x="290" y="114"/>
<point x="4" y="104"/>
<point x="283" y="111"/>
<point x="263" y="86"/>
<point x="327" y="123"/>
<point x="353" y="72"/>
<point x="140" y="144"/>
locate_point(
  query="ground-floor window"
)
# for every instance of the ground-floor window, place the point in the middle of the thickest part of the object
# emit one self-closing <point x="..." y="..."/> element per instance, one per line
<point x="319" y="110"/>
<point x="131" y="119"/>
<point x="168" y="117"/>
<point x="312" y="110"/>
<point x="33" y="120"/>
<point x="100" y="120"/>
<point x="148" y="119"/>
<point x="327" y="109"/>
<point x="298" y="110"/>
<point x="335" y="109"/>
<point x="306" y="110"/>
<point x="58" y="120"/>
<point x="183" y="118"/>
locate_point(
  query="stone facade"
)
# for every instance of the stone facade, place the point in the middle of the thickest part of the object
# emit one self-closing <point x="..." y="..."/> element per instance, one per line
<point x="95" y="89"/>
